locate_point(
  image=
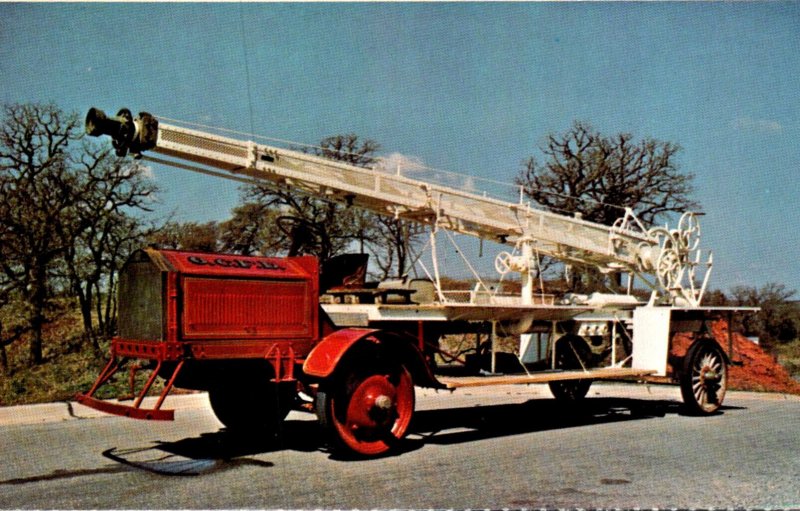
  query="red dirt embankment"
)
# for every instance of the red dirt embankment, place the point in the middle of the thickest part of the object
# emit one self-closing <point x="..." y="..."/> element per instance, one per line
<point x="759" y="371"/>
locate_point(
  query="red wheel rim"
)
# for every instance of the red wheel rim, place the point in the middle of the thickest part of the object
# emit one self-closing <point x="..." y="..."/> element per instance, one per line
<point x="375" y="413"/>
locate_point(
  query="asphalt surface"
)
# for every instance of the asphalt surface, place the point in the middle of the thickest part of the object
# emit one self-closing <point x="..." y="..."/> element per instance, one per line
<point x="495" y="447"/>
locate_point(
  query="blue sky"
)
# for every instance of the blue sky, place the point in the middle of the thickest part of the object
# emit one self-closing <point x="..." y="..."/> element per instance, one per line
<point x="467" y="87"/>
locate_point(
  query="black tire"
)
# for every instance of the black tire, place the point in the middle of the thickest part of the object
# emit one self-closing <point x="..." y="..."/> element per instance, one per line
<point x="252" y="407"/>
<point x="704" y="377"/>
<point x="571" y="353"/>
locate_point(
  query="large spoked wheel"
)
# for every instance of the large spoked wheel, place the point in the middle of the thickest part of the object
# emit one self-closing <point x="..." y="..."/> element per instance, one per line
<point x="704" y="378"/>
<point x="572" y="353"/>
<point x="252" y="407"/>
<point x="366" y="410"/>
<point x="689" y="231"/>
<point x="668" y="266"/>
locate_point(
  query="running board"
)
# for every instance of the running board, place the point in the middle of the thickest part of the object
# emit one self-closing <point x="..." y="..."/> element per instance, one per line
<point x="545" y="377"/>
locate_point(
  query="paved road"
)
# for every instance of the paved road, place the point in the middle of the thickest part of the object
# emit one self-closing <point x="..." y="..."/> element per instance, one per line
<point x="628" y="446"/>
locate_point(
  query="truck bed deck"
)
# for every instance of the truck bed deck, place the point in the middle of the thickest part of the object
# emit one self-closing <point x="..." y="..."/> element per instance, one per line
<point x="362" y="314"/>
<point x="545" y="377"/>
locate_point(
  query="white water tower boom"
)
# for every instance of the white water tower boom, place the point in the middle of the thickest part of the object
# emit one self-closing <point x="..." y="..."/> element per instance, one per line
<point x="626" y="246"/>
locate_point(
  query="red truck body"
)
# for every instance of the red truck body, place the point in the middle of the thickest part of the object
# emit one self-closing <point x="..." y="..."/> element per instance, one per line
<point x="177" y="307"/>
<point x="218" y="306"/>
<point x="250" y="331"/>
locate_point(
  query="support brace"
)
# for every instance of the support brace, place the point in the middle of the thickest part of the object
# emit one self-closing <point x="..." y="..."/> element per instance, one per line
<point x="134" y="411"/>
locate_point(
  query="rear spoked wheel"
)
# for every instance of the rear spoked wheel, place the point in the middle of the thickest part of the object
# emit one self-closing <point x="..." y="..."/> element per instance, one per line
<point x="367" y="408"/>
<point x="704" y="378"/>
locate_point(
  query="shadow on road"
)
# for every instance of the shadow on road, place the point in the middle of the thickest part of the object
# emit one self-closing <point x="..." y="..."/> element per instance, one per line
<point x="459" y="425"/>
<point x="224" y="450"/>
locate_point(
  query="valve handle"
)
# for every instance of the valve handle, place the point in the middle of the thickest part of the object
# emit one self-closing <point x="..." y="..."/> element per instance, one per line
<point x="502" y="263"/>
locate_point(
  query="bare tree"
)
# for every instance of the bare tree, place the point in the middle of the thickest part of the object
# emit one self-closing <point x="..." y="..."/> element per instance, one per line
<point x="67" y="203"/>
<point x="202" y="237"/>
<point x="392" y="243"/>
<point x="124" y="237"/>
<point x="38" y="191"/>
<point x="306" y="224"/>
<point x="583" y="171"/>
<point x="102" y="230"/>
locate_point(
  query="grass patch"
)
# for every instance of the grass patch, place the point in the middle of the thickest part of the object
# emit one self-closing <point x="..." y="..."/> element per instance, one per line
<point x="788" y="355"/>
<point x="70" y="365"/>
<point x="52" y="381"/>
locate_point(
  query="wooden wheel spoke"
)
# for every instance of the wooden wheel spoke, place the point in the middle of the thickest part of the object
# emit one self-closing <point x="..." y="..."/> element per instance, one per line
<point x="704" y="378"/>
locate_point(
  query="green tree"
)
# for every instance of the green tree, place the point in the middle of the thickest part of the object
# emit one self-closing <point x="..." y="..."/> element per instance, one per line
<point x="273" y="220"/>
<point x="777" y="320"/>
<point x="251" y="230"/>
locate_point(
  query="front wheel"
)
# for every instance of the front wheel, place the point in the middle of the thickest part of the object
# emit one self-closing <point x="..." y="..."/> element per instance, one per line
<point x="366" y="410"/>
<point x="254" y="407"/>
<point x="704" y="378"/>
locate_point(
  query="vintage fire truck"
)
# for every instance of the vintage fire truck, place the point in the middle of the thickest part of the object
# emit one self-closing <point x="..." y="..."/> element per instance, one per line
<point x="257" y="332"/>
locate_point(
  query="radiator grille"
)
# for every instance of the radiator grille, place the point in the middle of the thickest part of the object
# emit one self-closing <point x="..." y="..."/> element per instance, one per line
<point x="246" y="309"/>
<point x="140" y="302"/>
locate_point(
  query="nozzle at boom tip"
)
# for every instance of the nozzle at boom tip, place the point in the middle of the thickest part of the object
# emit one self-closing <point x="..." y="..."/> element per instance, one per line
<point x="127" y="134"/>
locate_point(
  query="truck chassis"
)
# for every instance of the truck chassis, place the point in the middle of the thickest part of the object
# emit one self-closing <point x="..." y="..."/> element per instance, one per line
<point x="258" y="332"/>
